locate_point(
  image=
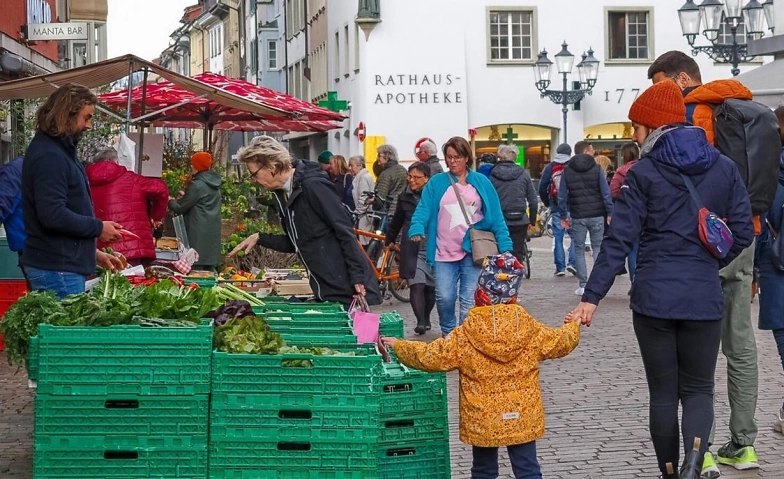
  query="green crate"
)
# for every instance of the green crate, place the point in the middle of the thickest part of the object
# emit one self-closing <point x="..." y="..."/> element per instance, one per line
<point x="125" y="464"/>
<point x="32" y="359"/>
<point x="117" y="442"/>
<point x="420" y="460"/>
<point x="329" y="326"/>
<point x="272" y="454"/>
<point x="207" y="283"/>
<point x="288" y="473"/>
<point x="301" y="433"/>
<point x="289" y="316"/>
<point x="334" y="375"/>
<point x="326" y="340"/>
<point x="130" y="359"/>
<point x="406" y="391"/>
<point x="282" y="306"/>
<point x="156" y="416"/>
<point x="391" y="325"/>
<point x="416" y="427"/>
<point x="293" y="410"/>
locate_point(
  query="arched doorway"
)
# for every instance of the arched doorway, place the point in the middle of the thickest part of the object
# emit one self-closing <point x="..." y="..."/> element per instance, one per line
<point x="535" y="143"/>
<point x="608" y="139"/>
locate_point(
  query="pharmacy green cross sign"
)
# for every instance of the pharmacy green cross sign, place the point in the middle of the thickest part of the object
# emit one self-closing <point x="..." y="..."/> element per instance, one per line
<point x="510" y="136"/>
<point x="332" y="102"/>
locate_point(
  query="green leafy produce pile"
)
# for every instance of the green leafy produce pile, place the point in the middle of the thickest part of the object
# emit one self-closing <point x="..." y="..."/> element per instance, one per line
<point x="252" y="335"/>
<point x="114" y="301"/>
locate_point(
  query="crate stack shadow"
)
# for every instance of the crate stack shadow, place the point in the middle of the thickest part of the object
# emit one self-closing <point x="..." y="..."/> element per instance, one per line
<point x="121" y="401"/>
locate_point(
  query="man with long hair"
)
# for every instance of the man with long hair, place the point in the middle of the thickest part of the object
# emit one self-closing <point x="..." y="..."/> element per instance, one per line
<point x="61" y="227"/>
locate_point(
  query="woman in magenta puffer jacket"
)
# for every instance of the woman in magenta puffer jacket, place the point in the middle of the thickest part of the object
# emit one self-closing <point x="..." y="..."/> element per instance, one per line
<point x="129" y="199"/>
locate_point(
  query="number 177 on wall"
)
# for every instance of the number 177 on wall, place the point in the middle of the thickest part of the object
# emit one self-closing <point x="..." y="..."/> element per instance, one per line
<point x="620" y="93"/>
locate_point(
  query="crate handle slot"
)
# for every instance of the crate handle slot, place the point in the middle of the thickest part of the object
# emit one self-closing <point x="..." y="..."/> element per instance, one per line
<point x="399" y="388"/>
<point x="407" y="451"/>
<point x="294" y="414"/>
<point x="121" y="404"/>
<point x="293" y="446"/>
<point x="121" y="455"/>
<point x="402" y="423"/>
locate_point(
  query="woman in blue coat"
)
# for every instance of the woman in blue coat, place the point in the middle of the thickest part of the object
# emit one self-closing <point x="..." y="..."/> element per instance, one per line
<point x="439" y="220"/>
<point x="676" y="298"/>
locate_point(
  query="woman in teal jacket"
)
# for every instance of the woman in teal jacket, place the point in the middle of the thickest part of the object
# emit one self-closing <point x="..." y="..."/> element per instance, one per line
<point x="439" y="220"/>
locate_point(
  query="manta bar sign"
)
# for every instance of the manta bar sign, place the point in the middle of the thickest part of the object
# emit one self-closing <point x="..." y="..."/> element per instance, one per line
<point x="40" y="32"/>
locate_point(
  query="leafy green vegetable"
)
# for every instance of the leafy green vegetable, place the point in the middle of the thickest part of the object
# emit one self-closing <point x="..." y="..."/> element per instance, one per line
<point x="20" y="322"/>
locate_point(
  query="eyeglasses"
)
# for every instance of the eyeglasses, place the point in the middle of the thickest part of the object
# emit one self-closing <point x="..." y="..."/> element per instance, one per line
<point x="455" y="158"/>
<point x="254" y="173"/>
<point x="415" y="177"/>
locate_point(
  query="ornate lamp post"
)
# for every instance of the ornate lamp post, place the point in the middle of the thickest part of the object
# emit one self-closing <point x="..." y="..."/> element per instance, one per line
<point x="588" y="70"/>
<point x="712" y="14"/>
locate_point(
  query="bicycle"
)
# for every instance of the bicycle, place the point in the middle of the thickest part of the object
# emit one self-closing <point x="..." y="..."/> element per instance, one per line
<point x="527" y="253"/>
<point x="544" y="223"/>
<point x="386" y="267"/>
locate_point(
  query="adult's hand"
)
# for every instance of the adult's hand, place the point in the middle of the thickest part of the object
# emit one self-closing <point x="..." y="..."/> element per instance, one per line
<point x="360" y="289"/>
<point x="583" y="314"/>
<point x="110" y="232"/>
<point x="389" y="341"/>
<point x="108" y="261"/>
<point x="417" y="238"/>
<point x="565" y="224"/>
<point x="247" y="245"/>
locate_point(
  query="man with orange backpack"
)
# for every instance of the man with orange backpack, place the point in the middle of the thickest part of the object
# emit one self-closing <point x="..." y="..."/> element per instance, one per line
<point x="747" y="133"/>
<point x="548" y="192"/>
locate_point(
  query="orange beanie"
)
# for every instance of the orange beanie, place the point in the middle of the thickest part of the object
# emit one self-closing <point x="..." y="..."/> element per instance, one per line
<point x="202" y="161"/>
<point x="659" y="105"/>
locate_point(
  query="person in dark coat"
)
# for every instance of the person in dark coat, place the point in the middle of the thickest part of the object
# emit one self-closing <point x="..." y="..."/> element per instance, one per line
<point x="517" y="195"/>
<point x="315" y="223"/>
<point x="60" y="249"/>
<point x="200" y="203"/>
<point x="413" y="256"/>
<point x="130" y="199"/>
<point x="676" y="297"/>
<point x="425" y="150"/>
<point x="391" y="180"/>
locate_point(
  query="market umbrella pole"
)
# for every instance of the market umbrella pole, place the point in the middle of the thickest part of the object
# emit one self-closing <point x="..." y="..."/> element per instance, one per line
<point x="142" y="126"/>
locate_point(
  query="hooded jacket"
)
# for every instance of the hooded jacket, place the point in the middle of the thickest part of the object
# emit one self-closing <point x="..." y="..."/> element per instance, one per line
<point x="547" y="177"/>
<point x="11" y="215"/>
<point x="516" y="192"/>
<point x="676" y="276"/>
<point x="318" y="229"/>
<point x="584" y="192"/>
<point x="497" y="351"/>
<point x="131" y="200"/>
<point x="392" y="180"/>
<point x="58" y="211"/>
<point x="201" y="207"/>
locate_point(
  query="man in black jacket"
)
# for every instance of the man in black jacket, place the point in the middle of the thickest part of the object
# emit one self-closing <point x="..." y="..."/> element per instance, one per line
<point x="583" y="202"/>
<point x="60" y="250"/>
<point x="518" y="196"/>
<point x="425" y="150"/>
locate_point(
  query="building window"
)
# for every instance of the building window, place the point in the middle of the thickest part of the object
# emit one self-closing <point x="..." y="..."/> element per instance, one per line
<point x="272" y="54"/>
<point x="346" y="52"/>
<point x="725" y="33"/>
<point x="254" y="56"/>
<point x="629" y="35"/>
<point x="511" y="35"/>
<point x="356" y="48"/>
<point x="337" y="56"/>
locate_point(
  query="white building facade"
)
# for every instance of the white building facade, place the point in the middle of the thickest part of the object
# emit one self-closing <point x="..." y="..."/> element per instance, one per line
<point x="440" y="68"/>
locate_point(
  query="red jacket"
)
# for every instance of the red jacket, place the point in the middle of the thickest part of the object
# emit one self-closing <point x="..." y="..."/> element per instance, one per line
<point x="131" y="200"/>
<point x="619" y="178"/>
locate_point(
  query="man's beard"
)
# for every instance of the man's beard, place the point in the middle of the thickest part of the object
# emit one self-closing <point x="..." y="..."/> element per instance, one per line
<point x="78" y="136"/>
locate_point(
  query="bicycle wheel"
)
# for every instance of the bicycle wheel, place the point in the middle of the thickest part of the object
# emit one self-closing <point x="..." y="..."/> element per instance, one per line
<point x="548" y="227"/>
<point x="398" y="287"/>
<point x="527" y="262"/>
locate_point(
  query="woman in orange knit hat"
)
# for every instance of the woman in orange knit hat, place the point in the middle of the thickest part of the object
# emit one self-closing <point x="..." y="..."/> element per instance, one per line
<point x="201" y="206"/>
<point x="676" y="297"/>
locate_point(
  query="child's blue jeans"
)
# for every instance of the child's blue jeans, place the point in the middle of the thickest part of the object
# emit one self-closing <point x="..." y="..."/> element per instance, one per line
<point x="522" y="456"/>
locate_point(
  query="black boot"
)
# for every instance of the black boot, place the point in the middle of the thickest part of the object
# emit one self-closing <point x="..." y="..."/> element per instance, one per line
<point x="417" y="295"/>
<point x="692" y="463"/>
<point x="670" y="472"/>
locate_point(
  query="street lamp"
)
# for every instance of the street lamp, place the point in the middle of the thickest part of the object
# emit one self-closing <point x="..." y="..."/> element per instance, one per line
<point x="587" y="69"/>
<point x="712" y="14"/>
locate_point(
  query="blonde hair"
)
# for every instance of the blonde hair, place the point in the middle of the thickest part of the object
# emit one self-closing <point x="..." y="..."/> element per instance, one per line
<point x="58" y="116"/>
<point x="339" y="165"/>
<point x="603" y="161"/>
<point x="267" y="153"/>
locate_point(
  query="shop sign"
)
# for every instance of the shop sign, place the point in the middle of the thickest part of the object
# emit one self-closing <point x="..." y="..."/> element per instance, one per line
<point x="38" y="11"/>
<point x="56" y="31"/>
<point x="417" y="89"/>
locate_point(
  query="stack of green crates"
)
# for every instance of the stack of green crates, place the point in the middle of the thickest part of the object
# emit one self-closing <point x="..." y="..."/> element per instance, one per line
<point x="122" y="402"/>
<point x="414" y="424"/>
<point x="325" y="325"/>
<point x="391" y="325"/>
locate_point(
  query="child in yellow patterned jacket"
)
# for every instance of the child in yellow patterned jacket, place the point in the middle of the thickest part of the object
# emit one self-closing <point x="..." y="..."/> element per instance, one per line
<point x="497" y="351"/>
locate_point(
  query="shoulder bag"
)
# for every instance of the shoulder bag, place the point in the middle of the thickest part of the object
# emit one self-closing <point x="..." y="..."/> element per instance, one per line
<point x="483" y="243"/>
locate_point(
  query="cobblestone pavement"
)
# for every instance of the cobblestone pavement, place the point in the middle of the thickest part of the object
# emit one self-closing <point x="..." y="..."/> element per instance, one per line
<point x="596" y="398"/>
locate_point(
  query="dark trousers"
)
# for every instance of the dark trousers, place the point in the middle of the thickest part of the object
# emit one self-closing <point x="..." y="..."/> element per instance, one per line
<point x="778" y="335"/>
<point x="522" y="456"/>
<point x="680" y="363"/>
<point x="518" y="233"/>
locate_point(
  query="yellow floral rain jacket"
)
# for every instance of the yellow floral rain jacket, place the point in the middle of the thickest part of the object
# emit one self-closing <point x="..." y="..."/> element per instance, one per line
<point x="497" y="351"/>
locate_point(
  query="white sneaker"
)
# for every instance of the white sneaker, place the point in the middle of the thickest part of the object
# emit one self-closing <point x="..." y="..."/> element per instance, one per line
<point x="579" y="291"/>
<point x="778" y="423"/>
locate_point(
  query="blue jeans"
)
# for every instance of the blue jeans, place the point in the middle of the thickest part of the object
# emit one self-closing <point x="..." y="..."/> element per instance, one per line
<point x="631" y="260"/>
<point x="558" y="252"/>
<point x="59" y="282"/>
<point x="522" y="456"/>
<point x="581" y="228"/>
<point x="448" y="274"/>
